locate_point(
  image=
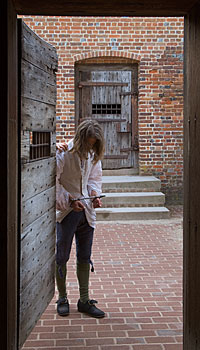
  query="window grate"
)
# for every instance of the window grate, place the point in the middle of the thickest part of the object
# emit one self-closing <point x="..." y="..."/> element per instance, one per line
<point x="40" y="145"/>
<point x="106" y="108"/>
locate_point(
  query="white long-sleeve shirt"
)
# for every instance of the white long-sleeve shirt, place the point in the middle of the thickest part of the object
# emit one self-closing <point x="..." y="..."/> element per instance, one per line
<point x="77" y="178"/>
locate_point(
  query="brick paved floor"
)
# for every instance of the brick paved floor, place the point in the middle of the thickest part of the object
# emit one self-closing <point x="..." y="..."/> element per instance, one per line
<point x="137" y="282"/>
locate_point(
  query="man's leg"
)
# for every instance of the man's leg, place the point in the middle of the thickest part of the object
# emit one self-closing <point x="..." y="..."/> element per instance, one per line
<point x="83" y="271"/>
<point x="61" y="272"/>
<point x="65" y="232"/>
<point x="84" y="239"/>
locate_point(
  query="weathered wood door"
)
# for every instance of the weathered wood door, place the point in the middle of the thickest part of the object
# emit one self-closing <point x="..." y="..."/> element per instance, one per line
<point x="108" y="95"/>
<point x="37" y="92"/>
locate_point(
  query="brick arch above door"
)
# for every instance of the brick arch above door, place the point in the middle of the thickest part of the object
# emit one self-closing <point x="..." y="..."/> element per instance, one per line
<point x="125" y="56"/>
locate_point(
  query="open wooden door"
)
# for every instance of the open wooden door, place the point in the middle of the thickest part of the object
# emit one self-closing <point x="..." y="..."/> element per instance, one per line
<point x="37" y="94"/>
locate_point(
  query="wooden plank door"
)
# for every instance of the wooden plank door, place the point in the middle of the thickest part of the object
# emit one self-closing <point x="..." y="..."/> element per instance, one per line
<point x="105" y="95"/>
<point x="37" y="65"/>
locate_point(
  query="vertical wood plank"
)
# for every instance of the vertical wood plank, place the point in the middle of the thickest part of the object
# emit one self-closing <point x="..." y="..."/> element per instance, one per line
<point x="86" y="106"/>
<point x="86" y="102"/>
<point x="9" y="178"/>
<point x="4" y="253"/>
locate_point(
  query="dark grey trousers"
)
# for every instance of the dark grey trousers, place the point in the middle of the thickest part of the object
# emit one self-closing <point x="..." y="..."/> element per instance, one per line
<point x="75" y="223"/>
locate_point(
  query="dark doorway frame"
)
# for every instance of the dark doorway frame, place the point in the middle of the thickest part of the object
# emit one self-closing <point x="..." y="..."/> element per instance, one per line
<point x="10" y="137"/>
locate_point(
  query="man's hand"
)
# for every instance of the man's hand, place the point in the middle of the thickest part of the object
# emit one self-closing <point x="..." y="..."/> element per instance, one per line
<point x="77" y="206"/>
<point x="61" y="147"/>
<point x="97" y="203"/>
<point x="62" y="206"/>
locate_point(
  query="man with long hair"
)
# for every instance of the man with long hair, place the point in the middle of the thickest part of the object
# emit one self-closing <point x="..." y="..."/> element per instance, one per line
<point x="79" y="175"/>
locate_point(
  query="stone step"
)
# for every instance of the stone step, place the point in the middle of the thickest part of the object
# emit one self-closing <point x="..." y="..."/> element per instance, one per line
<point x="120" y="172"/>
<point x="125" y="214"/>
<point x="133" y="199"/>
<point x="128" y="183"/>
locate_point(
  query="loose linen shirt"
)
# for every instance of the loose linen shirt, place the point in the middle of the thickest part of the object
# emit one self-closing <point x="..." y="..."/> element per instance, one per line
<point x="78" y="178"/>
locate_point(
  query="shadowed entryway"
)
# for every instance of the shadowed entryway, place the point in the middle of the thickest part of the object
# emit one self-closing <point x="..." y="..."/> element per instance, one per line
<point x="10" y="141"/>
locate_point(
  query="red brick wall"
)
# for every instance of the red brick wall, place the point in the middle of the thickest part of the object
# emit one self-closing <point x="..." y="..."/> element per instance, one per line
<point x="157" y="45"/>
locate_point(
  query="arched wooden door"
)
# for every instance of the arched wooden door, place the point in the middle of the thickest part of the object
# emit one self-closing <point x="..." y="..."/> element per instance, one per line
<point x="108" y="93"/>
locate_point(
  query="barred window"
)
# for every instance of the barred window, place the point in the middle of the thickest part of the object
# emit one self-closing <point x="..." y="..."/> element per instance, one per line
<point x="40" y="145"/>
<point x="106" y="108"/>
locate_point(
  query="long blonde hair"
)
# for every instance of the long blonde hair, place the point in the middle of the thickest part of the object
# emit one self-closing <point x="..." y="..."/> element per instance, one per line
<point x="89" y="129"/>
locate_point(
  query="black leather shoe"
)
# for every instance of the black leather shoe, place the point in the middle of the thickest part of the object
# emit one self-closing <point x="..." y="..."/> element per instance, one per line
<point x="90" y="309"/>
<point x="62" y="307"/>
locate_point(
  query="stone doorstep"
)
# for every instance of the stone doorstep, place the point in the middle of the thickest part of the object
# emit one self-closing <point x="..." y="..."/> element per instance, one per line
<point x="129" y="178"/>
<point x="133" y="199"/>
<point x="124" y="171"/>
<point x="147" y="183"/>
<point x="127" y="213"/>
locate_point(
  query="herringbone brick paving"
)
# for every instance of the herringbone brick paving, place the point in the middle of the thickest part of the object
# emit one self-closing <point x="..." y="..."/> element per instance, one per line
<point x="137" y="282"/>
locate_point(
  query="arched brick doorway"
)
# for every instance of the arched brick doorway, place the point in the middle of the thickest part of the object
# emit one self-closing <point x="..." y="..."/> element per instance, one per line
<point x="106" y="90"/>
